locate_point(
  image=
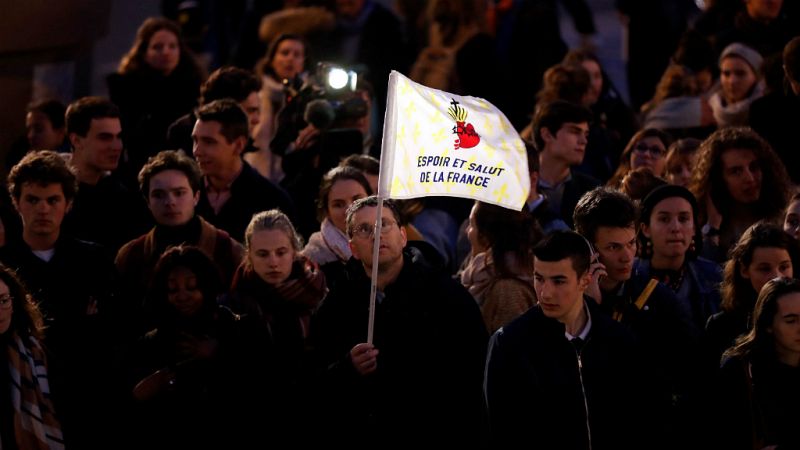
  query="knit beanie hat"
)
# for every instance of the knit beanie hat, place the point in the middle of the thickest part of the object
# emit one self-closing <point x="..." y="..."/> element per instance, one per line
<point x="746" y="53"/>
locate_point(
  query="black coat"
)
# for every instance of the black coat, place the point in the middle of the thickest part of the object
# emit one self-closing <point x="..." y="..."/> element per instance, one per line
<point x="107" y="213"/>
<point x="538" y="389"/>
<point x="768" y="413"/>
<point x="250" y="194"/>
<point x="432" y="341"/>
<point x="79" y="335"/>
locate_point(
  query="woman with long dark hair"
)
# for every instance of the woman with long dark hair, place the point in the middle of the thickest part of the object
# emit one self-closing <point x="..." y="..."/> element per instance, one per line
<point x="157" y="82"/>
<point x="764" y="252"/>
<point x="738" y="180"/>
<point x="759" y="382"/>
<point x="27" y="416"/>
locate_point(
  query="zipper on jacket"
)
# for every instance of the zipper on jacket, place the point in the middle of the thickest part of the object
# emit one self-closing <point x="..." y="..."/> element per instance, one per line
<point x="583" y="392"/>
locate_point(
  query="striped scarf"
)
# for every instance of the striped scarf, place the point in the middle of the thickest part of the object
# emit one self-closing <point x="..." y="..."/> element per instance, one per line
<point x="35" y="423"/>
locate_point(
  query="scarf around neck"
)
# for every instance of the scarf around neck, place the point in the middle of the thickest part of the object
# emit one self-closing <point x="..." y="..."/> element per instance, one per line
<point x="35" y="423"/>
<point x="479" y="273"/>
<point x="327" y="245"/>
<point x="733" y="114"/>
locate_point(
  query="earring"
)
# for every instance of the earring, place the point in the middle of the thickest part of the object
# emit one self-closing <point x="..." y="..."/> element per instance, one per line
<point x="692" y="246"/>
<point x="648" y="247"/>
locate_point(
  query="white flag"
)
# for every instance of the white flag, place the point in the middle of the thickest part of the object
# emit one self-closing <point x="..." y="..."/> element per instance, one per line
<point x="436" y="143"/>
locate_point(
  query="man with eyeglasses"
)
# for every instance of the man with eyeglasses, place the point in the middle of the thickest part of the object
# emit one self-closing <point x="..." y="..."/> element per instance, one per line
<point x="420" y="380"/>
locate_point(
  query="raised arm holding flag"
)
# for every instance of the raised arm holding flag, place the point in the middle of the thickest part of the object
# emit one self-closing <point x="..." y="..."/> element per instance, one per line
<point x="414" y="374"/>
<point x="431" y="146"/>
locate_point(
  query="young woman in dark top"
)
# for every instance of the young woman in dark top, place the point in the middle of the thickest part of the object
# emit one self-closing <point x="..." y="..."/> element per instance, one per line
<point x="758" y="382"/>
<point x="27" y="416"/>
<point x="764" y="252"/>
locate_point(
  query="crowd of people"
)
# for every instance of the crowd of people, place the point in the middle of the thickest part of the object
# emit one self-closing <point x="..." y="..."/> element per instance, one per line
<point x="156" y="288"/>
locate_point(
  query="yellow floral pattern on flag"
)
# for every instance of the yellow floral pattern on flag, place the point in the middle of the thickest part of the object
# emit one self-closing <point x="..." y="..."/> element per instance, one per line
<point x="437" y="143"/>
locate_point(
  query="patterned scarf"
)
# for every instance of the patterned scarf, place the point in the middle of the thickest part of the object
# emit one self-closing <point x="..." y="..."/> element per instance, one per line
<point x="305" y="288"/>
<point x="478" y="274"/>
<point x="35" y="423"/>
<point x="328" y="245"/>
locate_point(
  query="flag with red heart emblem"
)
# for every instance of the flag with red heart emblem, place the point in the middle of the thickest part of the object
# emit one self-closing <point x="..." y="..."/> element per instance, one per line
<point x="437" y="143"/>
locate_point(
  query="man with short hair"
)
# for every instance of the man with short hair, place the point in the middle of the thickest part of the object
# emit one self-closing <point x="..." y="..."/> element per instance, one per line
<point x="607" y="219"/>
<point x="74" y="283"/>
<point x="233" y="191"/>
<point x="104" y="211"/>
<point x="237" y="84"/>
<point x="171" y="183"/>
<point x="560" y="131"/>
<point x="564" y="375"/>
<point x="420" y="379"/>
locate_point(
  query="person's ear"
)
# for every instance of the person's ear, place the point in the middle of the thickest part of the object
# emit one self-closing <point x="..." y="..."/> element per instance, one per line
<point x="196" y="197"/>
<point x="744" y="272"/>
<point x="645" y="230"/>
<point x="75" y="141"/>
<point x="546" y="135"/>
<point x="585" y="280"/>
<point x="354" y="250"/>
<point x="239" y="144"/>
<point x="403" y="234"/>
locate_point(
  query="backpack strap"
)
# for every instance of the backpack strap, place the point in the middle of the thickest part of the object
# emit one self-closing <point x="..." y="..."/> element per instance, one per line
<point x="645" y="295"/>
<point x="640" y="301"/>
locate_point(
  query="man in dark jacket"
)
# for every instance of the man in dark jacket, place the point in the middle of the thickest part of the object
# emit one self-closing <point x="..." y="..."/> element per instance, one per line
<point x="74" y="283"/>
<point x="233" y="190"/>
<point x="564" y="375"/>
<point x="607" y="219"/>
<point x="420" y="378"/>
<point x="560" y="131"/>
<point x="105" y="211"/>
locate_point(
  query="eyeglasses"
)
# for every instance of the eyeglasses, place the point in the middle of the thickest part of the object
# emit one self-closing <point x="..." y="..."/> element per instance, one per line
<point x="655" y="151"/>
<point x="6" y="301"/>
<point x="366" y="231"/>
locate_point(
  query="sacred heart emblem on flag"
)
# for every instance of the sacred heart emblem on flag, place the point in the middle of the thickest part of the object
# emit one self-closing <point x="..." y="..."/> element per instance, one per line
<point x="467" y="137"/>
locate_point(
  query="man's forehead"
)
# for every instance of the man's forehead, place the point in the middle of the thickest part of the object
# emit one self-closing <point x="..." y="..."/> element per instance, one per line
<point x="251" y="100"/>
<point x="617" y="235"/>
<point x="207" y="127"/>
<point x="365" y="214"/>
<point x="575" y="125"/>
<point x="40" y="188"/>
<point x="554" y="269"/>
<point x="105" y="124"/>
<point x="369" y="214"/>
<point x="169" y="178"/>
